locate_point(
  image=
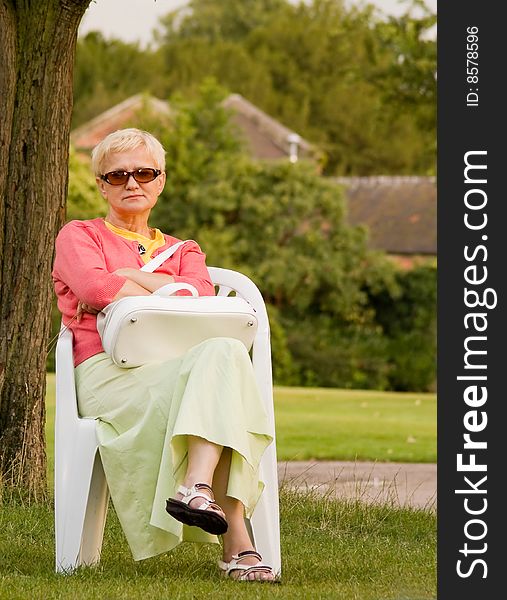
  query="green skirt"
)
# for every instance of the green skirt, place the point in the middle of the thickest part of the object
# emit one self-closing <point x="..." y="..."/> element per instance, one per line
<point x="144" y="416"/>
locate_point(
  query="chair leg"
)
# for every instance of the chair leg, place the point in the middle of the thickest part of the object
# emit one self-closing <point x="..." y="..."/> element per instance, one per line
<point x="265" y="522"/>
<point x="83" y="501"/>
<point x="95" y="517"/>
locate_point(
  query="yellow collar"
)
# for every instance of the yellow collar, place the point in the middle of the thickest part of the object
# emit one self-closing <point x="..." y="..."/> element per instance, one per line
<point x="132" y="235"/>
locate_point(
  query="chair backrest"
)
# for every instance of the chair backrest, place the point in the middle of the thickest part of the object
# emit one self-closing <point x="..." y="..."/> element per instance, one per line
<point x="231" y="281"/>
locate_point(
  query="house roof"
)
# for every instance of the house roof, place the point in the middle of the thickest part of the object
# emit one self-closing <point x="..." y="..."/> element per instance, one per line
<point x="265" y="137"/>
<point x="400" y="213"/>
<point x="88" y="135"/>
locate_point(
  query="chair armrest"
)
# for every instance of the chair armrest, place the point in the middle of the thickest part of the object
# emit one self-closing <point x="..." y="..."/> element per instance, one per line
<point x="66" y="399"/>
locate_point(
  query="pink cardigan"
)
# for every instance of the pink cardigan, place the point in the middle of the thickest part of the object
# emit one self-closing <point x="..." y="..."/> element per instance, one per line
<point x="88" y="253"/>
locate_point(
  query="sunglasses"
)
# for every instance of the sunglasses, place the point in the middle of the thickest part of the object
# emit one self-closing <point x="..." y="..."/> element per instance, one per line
<point x="143" y="175"/>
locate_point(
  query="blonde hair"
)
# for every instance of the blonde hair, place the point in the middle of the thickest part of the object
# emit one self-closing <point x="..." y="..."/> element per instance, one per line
<point x="124" y="140"/>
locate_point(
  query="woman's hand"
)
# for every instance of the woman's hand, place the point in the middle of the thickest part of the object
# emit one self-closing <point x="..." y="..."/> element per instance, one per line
<point x="82" y="307"/>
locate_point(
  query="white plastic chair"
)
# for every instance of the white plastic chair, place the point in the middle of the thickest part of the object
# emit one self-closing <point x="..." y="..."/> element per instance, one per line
<point x="81" y="492"/>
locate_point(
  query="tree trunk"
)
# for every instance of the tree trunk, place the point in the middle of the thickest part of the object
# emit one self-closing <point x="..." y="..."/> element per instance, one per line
<point x="37" y="46"/>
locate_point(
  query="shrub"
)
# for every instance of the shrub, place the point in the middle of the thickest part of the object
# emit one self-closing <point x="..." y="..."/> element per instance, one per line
<point x="409" y="323"/>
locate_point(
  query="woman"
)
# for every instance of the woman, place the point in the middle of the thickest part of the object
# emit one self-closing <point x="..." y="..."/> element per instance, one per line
<point x="173" y="435"/>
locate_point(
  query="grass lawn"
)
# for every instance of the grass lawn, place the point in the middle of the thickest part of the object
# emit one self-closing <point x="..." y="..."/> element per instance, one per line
<point x="330" y="549"/>
<point x="331" y="424"/>
<point x="333" y="550"/>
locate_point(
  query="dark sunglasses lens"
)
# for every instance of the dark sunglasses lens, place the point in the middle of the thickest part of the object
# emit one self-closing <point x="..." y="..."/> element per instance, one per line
<point x="140" y="175"/>
<point x="116" y="177"/>
<point x="145" y="175"/>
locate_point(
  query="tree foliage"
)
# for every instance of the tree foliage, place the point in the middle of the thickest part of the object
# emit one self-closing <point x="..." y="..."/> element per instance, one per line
<point x="83" y="201"/>
<point x="409" y="324"/>
<point x="109" y="71"/>
<point x="340" y="75"/>
<point x="408" y="84"/>
<point x="358" y="85"/>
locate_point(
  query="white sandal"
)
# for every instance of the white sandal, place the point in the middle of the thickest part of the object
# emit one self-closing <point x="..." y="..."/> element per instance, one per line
<point x="235" y="565"/>
<point x="204" y="516"/>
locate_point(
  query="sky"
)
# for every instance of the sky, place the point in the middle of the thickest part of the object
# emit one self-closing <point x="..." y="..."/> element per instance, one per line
<point x="122" y="18"/>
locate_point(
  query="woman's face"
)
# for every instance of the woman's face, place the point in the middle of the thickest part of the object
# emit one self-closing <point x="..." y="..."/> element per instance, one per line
<point x="132" y="197"/>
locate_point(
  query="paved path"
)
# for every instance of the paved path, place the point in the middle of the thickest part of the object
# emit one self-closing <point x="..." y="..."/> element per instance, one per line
<point x="400" y="484"/>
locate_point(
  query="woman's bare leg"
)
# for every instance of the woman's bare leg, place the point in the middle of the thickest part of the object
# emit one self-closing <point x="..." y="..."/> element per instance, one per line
<point x="210" y="463"/>
<point x="203" y="457"/>
<point x="236" y="539"/>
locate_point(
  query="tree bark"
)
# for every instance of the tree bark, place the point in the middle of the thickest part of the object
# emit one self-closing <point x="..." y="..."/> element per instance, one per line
<point x="37" y="45"/>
